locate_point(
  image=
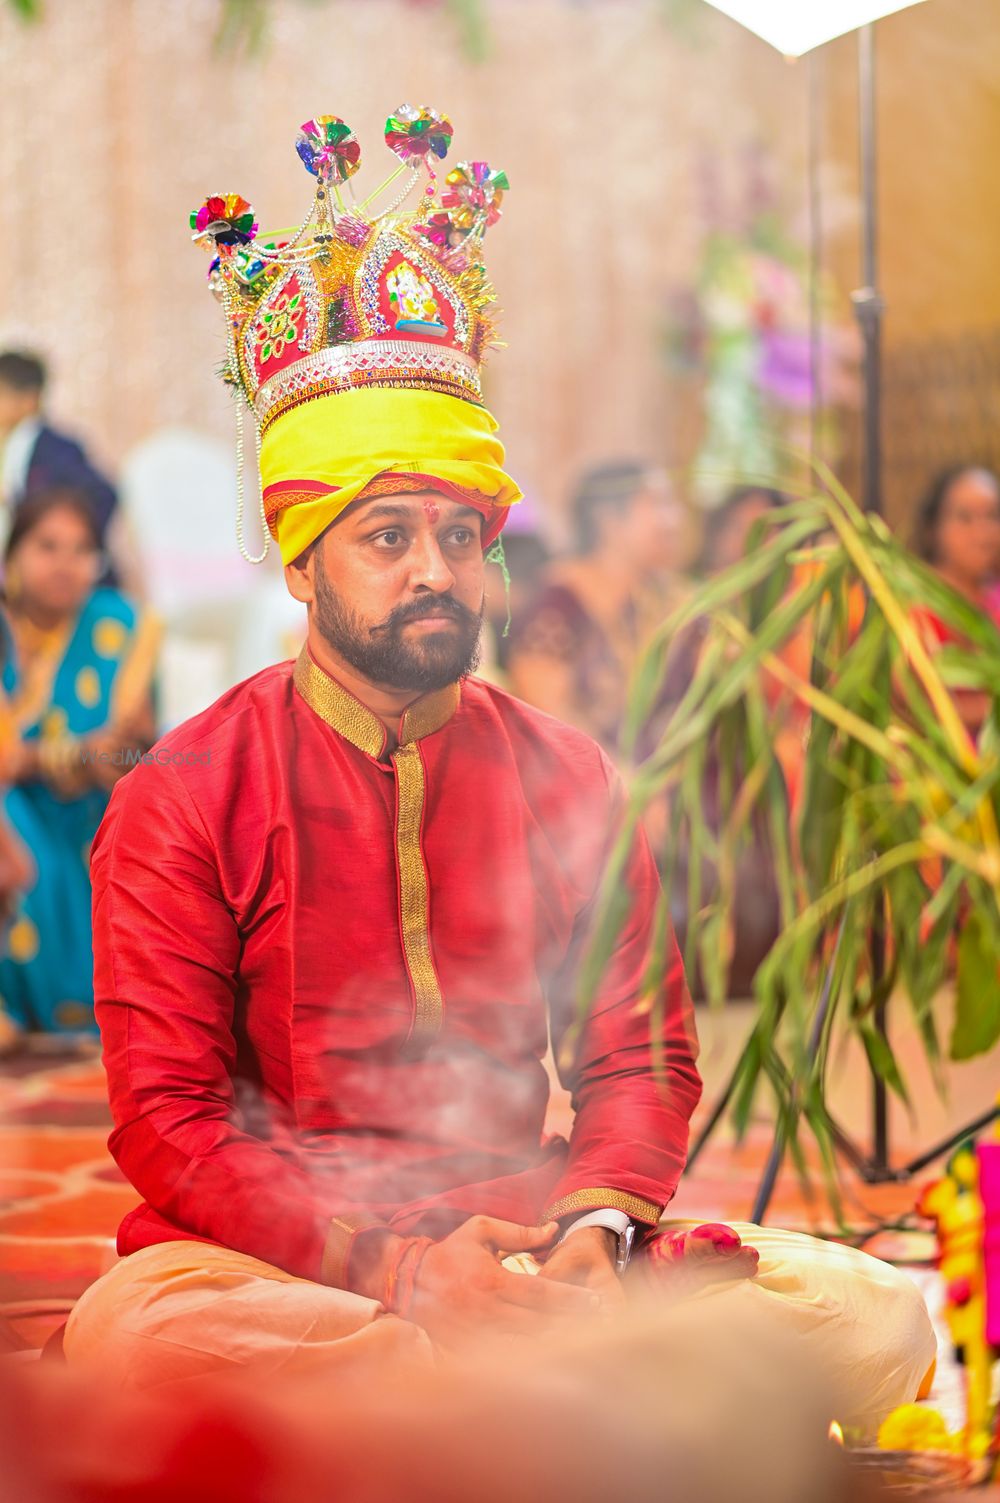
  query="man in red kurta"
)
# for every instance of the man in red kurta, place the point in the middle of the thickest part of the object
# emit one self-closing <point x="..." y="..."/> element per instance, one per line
<point x="334" y="922"/>
<point x="338" y="915"/>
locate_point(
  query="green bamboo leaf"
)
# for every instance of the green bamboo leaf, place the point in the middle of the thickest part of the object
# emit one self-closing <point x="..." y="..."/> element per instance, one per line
<point x="835" y="896"/>
<point x="923" y="934"/>
<point x="923" y="587"/>
<point x="714" y="953"/>
<point x="645" y="691"/>
<point x="961" y="669"/>
<point x="653" y="992"/>
<point x="818" y="1119"/>
<point x="972" y="796"/>
<point x="883" y="1061"/>
<point x="612" y="904"/>
<point x="977" y="998"/>
<point x="856" y="542"/>
<point x="746" y="1093"/>
<point x="691" y="791"/>
<point x="741" y="666"/>
<point x="735" y="583"/>
<point x="944" y="903"/>
<point x="647" y="688"/>
<point x="778" y="811"/>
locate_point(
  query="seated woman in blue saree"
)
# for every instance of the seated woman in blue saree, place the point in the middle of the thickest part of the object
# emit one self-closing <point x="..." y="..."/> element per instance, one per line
<point x="75" y="712"/>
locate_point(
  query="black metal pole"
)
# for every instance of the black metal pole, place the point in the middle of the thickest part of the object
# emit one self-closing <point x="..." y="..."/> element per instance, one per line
<point x="868" y="304"/>
<point x="868" y="308"/>
<point x="923" y="1160"/>
<point x="815" y="259"/>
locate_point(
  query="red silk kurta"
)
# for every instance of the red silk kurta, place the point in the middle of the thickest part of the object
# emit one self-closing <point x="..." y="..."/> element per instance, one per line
<point x="324" y="975"/>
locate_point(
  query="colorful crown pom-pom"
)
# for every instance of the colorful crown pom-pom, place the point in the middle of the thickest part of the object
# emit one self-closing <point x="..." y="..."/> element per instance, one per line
<point x="473" y="195"/>
<point x="438" y="230"/>
<point x="413" y="133"/>
<point x="329" y="148"/>
<point x="225" y="218"/>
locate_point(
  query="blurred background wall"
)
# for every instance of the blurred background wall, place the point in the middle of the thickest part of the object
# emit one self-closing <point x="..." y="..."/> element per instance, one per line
<point x="631" y="130"/>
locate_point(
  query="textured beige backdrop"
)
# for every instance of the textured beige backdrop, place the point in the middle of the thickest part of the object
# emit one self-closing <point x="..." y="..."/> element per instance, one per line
<point x="116" y="118"/>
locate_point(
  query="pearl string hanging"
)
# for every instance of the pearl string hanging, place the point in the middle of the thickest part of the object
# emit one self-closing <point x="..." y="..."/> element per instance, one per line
<point x="232" y="362"/>
<point x="401" y="196"/>
<point x="251" y="558"/>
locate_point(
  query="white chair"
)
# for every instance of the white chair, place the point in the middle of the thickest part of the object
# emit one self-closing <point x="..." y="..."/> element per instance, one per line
<point x="224" y="618"/>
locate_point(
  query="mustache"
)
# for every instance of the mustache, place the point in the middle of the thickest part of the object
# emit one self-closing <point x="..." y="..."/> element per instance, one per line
<point x="431" y="605"/>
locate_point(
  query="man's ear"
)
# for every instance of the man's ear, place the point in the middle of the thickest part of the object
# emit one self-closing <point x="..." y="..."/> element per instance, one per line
<point x="300" y="576"/>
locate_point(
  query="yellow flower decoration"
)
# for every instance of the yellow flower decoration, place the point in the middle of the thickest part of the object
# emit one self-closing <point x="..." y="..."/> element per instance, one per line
<point x="22" y="941"/>
<point x="109" y="637"/>
<point x="88" y="687"/>
<point x="911" y="1427"/>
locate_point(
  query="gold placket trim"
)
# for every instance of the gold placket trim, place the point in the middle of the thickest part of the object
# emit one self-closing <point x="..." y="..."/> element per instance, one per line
<point x="414" y="890"/>
<point x="356" y="723"/>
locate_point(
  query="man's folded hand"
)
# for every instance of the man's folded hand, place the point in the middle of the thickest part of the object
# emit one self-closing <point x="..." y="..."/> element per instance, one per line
<point x="587" y="1259"/>
<point x="461" y="1288"/>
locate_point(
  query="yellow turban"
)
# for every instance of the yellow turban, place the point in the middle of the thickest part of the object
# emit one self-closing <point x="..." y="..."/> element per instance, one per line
<point x="323" y="454"/>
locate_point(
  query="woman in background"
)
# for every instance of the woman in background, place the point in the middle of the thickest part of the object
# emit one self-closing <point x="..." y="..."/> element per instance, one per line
<point x="958" y="534"/>
<point x="728" y="526"/>
<point x="572" y="650"/>
<point x="75" y="711"/>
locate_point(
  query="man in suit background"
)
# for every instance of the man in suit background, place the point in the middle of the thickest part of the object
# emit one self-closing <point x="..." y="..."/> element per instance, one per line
<point x="35" y="457"/>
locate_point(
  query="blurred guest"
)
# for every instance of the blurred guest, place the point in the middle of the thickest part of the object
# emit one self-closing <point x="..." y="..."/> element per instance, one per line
<point x="77" y="710"/>
<point x="958" y="534"/>
<point x="754" y="909"/>
<point x="16" y="872"/>
<point x="728" y="527"/>
<point x="573" y="649"/>
<point x="511" y="590"/>
<point x="33" y="455"/>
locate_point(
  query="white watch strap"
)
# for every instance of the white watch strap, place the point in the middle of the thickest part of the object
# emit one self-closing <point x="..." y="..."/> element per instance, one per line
<point x="614" y="1221"/>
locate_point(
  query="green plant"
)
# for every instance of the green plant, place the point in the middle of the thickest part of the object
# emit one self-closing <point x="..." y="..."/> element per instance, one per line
<point x="894" y="828"/>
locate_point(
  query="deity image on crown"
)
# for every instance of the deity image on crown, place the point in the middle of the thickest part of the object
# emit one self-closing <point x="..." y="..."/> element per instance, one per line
<point x="413" y="302"/>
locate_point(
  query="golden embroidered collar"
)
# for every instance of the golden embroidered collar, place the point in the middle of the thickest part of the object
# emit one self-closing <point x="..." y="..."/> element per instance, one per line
<point x="356" y="723"/>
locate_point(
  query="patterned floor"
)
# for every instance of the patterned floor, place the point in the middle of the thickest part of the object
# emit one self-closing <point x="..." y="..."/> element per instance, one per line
<point x="61" y="1198"/>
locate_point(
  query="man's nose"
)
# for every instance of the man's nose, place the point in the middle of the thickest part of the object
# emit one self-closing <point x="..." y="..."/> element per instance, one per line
<point x="429" y="567"/>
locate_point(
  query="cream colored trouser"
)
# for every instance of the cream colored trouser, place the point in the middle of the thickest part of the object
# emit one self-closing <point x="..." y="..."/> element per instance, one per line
<point x="181" y="1310"/>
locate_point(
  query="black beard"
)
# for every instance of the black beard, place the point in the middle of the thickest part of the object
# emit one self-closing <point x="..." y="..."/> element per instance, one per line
<point x="383" y="655"/>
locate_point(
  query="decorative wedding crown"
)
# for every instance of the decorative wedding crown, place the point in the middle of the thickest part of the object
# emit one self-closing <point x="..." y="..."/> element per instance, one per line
<point x="352" y="298"/>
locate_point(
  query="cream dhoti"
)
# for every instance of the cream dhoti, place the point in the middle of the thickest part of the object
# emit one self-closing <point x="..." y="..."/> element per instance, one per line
<point x="184" y="1310"/>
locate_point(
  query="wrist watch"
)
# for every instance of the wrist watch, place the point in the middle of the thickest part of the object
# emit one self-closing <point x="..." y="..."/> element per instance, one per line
<point x="624" y="1253"/>
<point x="614" y="1221"/>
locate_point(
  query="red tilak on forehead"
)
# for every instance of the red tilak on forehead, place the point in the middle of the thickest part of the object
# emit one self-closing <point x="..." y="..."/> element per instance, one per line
<point x="431" y="511"/>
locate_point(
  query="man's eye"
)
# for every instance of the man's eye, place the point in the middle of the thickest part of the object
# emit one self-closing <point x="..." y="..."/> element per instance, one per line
<point x="390" y="538"/>
<point x="462" y="536"/>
